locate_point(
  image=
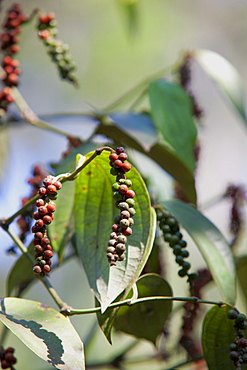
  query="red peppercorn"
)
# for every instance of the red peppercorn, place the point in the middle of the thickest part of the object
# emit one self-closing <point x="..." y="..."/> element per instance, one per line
<point x="127" y="231"/>
<point x="4" y="364"/>
<point x="38" y="235"/>
<point x="37" y="269"/>
<point x="48" y="181"/>
<point x="126" y="166"/>
<point x="58" y="185"/>
<point x="47" y="220"/>
<point x="123" y="189"/>
<point x="46" y="268"/>
<point x="45" y="241"/>
<point x="51" y="207"/>
<point x="48" y="254"/>
<point x="10" y="350"/>
<point x="51" y="189"/>
<point x="39" y="223"/>
<point x="120" y="150"/>
<point x="42" y="210"/>
<point x="117" y="163"/>
<point x="122" y="157"/>
<point x="113" y="157"/>
<point x="42" y="191"/>
<point x="38" y="248"/>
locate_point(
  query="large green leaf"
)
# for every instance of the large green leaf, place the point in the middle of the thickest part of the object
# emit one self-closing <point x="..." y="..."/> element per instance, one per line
<point x="227" y="78"/>
<point x="94" y="214"/>
<point x="161" y="152"/>
<point x="171" y="110"/>
<point x="45" y="331"/>
<point x="212" y="245"/>
<point x="21" y="274"/>
<point x="62" y="228"/>
<point x="217" y="334"/>
<point x="146" y="320"/>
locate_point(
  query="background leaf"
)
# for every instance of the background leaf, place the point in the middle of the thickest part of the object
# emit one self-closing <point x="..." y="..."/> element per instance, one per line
<point x="226" y="76"/>
<point x="94" y="214"/>
<point x="217" y="334"/>
<point x="45" y="331"/>
<point x="212" y="245"/>
<point x="241" y="266"/>
<point x="171" y="110"/>
<point x="62" y="228"/>
<point x="146" y="320"/>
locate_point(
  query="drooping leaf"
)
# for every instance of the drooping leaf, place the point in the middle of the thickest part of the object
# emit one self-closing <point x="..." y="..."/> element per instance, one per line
<point x="217" y="335"/>
<point x="62" y="228"/>
<point x="226" y="77"/>
<point x="161" y="152"/>
<point x="146" y="320"/>
<point x="212" y="245"/>
<point x="171" y="110"/>
<point x="241" y="266"/>
<point x="45" y="331"/>
<point x="21" y="274"/>
<point x="94" y="214"/>
<point x="138" y="126"/>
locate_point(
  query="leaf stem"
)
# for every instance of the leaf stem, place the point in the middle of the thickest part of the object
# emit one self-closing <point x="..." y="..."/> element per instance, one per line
<point x="129" y="302"/>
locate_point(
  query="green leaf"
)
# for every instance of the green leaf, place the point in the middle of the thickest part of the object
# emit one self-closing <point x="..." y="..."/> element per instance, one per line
<point x="160" y="152"/>
<point x="62" y="228"/>
<point x="4" y="148"/>
<point x="212" y="245"/>
<point x="21" y="274"/>
<point x="172" y="114"/>
<point x="241" y="266"/>
<point x="217" y="335"/>
<point x="146" y="319"/>
<point x="94" y="214"/>
<point x="226" y="77"/>
<point x="131" y="10"/>
<point x="45" y="331"/>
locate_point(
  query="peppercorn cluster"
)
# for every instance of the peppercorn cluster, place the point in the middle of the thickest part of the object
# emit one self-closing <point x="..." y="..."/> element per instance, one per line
<point x="7" y="358"/>
<point x="238" y="349"/>
<point x="123" y="196"/>
<point x="172" y="235"/>
<point x="9" y="44"/>
<point x="56" y="49"/>
<point x="44" y="216"/>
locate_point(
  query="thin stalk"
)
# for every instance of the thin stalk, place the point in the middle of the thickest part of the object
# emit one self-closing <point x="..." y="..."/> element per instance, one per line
<point x="20" y="245"/>
<point x="138" y="100"/>
<point x="128" y="302"/>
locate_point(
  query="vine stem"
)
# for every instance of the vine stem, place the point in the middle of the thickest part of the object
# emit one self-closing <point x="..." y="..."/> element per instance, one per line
<point x="4" y="223"/>
<point x="129" y="302"/>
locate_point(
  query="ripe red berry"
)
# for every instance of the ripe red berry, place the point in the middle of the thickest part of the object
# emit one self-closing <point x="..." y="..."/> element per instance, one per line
<point x="37" y="269"/>
<point x="47" y="220"/>
<point x="36" y="215"/>
<point x="39" y="223"/>
<point x="4" y="364"/>
<point x="126" y="166"/>
<point x="127" y="231"/>
<point x="38" y="248"/>
<point x="113" y="157"/>
<point x="40" y="203"/>
<point x="44" y="34"/>
<point x="123" y="157"/>
<point x="45" y="241"/>
<point x="58" y="185"/>
<point x="130" y="194"/>
<point x="38" y="235"/>
<point x="117" y="163"/>
<point x="115" y="227"/>
<point x="46" y="269"/>
<point x="42" y="191"/>
<point x="10" y="350"/>
<point x="48" y="254"/>
<point x="123" y="189"/>
<point x="48" y="180"/>
<point x="48" y="247"/>
<point x="51" y="189"/>
<point x="42" y="210"/>
<point x="51" y="207"/>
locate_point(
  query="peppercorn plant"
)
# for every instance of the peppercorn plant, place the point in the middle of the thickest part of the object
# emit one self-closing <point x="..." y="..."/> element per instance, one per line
<point x="97" y="207"/>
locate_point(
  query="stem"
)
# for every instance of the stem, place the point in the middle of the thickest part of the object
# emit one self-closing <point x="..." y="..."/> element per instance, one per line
<point x="128" y="302"/>
<point x="20" y="245"/>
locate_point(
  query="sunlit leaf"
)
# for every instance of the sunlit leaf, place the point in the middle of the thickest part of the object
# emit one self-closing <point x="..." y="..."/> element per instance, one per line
<point x="45" y="331"/>
<point x="171" y="110"/>
<point x="62" y="228"/>
<point x="21" y="274"/>
<point x="94" y="214"/>
<point x="130" y="8"/>
<point x="212" y="245"/>
<point x="217" y="335"/>
<point x="146" y="320"/>
<point x="226" y="76"/>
